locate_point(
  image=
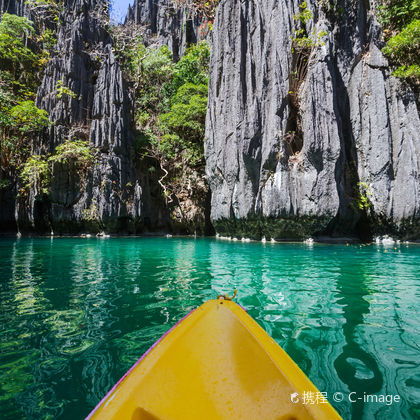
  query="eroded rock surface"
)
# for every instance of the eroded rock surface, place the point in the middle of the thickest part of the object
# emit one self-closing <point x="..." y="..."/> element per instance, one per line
<point x="284" y="160"/>
<point x="118" y="193"/>
<point x="359" y="128"/>
<point x="166" y="24"/>
<point x="113" y="195"/>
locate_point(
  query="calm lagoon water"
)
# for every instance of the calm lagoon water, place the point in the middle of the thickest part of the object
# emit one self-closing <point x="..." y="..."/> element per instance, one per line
<point x="77" y="313"/>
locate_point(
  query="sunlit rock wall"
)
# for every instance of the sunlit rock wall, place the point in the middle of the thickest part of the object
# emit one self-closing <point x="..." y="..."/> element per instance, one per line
<point x="359" y="127"/>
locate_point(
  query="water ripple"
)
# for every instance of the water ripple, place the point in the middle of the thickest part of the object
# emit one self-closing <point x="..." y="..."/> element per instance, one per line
<point x="75" y="314"/>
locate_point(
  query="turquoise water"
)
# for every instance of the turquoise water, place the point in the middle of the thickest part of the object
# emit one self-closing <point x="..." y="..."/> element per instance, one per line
<point x="77" y="313"/>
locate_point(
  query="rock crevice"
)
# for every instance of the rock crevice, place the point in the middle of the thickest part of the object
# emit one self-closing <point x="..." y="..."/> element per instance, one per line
<point x="349" y="130"/>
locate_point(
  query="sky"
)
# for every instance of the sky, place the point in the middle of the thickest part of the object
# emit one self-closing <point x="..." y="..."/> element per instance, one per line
<point x="119" y="9"/>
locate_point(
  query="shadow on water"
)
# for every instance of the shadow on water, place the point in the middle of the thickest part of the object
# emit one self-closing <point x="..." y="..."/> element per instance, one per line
<point x="355" y="367"/>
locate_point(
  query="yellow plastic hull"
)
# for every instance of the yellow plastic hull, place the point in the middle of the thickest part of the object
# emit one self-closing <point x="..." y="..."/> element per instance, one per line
<point x="218" y="363"/>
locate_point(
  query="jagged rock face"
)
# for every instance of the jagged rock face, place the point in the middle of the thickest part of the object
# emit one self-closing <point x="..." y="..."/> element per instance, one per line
<point x="358" y="127"/>
<point x="84" y="63"/>
<point x="16" y="7"/>
<point x="110" y="195"/>
<point x="166" y="24"/>
<point x="118" y="193"/>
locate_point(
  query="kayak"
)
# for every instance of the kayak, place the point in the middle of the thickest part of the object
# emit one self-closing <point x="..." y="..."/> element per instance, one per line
<point x="216" y="363"/>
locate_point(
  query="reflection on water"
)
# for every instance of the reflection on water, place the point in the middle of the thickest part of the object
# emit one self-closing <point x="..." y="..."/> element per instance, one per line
<point x="75" y="314"/>
<point x="355" y="367"/>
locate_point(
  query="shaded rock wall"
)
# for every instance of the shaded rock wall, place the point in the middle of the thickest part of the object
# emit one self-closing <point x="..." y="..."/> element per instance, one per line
<point x="357" y="124"/>
<point x="167" y="25"/>
<point x="118" y="193"/>
<point x="16" y="7"/>
<point x="114" y="195"/>
<point x="163" y="23"/>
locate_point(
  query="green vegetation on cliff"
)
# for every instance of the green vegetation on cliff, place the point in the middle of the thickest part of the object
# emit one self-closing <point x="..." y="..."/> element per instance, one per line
<point x="25" y="48"/>
<point x="170" y="112"/>
<point x="36" y="171"/>
<point x="170" y="106"/>
<point x="401" y="21"/>
<point x="171" y="101"/>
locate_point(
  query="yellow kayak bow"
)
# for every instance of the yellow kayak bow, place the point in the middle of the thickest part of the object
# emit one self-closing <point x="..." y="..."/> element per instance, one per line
<point x="216" y="363"/>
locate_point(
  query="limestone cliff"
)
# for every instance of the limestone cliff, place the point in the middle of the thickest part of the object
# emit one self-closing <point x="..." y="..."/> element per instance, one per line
<point x="166" y="24"/>
<point x="100" y="112"/>
<point x="291" y="165"/>
<point x="115" y="195"/>
<point x="16" y="7"/>
<point x="118" y="194"/>
<point x="324" y="143"/>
